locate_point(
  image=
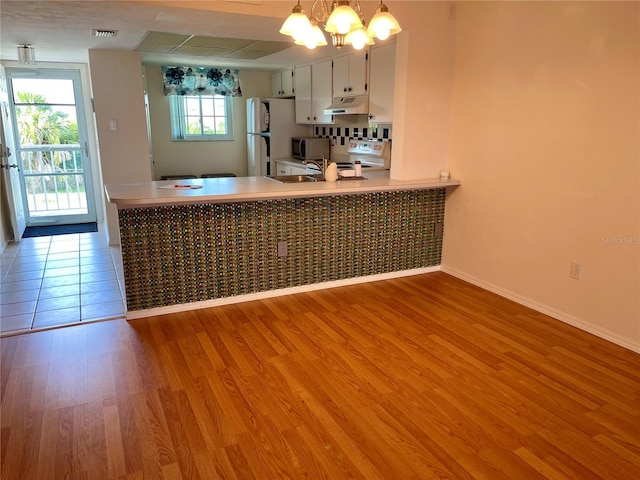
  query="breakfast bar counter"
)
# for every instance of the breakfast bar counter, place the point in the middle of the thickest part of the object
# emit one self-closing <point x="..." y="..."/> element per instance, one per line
<point x="238" y="189"/>
<point x="211" y="241"/>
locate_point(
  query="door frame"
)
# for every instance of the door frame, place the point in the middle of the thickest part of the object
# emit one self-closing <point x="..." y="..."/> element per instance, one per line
<point x="92" y="151"/>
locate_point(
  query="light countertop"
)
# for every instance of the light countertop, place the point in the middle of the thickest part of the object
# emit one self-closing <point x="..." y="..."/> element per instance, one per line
<point x="239" y="189"/>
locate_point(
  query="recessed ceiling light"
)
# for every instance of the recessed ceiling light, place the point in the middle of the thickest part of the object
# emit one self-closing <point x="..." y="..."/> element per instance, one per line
<point x="104" y="33"/>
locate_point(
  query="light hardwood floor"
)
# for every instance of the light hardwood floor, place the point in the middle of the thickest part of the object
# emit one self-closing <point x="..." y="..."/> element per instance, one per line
<point x="425" y="377"/>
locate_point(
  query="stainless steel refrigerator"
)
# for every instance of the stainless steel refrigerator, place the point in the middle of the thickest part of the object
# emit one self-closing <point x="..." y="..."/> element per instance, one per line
<point x="270" y="127"/>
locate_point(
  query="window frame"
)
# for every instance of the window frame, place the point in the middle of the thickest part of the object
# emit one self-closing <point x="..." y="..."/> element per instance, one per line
<point x="179" y="115"/>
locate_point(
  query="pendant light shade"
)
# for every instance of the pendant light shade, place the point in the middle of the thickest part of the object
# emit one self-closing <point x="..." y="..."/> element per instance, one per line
<point x="297" y="25"/>
<point x="26" y="55"/>
<point x="315" y="38"/>
<point x="383" y="24"/>
<point x="358" y="38"/>
<point x="344" y="22"/>
<point x="343" y="19"/>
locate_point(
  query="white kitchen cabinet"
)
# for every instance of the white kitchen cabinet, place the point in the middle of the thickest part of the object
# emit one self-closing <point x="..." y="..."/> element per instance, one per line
<point x="282" y="83"/>
<point x="313" y="93"/>
<point x="350" y="74"/>
<point x="282" y="169"/>
<point x="303" y="94"/>
<point x="288" y="168"/>
<point x="382" y="64"/>
<point x="321" y="91"/>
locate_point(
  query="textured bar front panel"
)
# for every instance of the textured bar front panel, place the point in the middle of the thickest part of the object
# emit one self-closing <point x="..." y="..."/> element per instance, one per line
<point x="188" y="253"/>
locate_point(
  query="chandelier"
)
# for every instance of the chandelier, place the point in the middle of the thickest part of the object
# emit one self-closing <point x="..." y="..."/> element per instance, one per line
<point x="343" y="22"/>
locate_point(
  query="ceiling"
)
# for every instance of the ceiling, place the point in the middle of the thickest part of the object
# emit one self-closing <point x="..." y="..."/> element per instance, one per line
<point x="60" y="31"/>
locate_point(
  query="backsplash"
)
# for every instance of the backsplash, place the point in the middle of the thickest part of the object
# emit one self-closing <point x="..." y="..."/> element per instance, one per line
<point x="340" y="135"/>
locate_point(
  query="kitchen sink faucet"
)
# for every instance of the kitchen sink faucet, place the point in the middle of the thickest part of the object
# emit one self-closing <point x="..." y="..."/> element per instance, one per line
<point x="323" y="167"/>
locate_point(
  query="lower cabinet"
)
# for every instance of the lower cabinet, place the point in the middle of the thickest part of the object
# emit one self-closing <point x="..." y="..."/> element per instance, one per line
<point x="286" y="168"/>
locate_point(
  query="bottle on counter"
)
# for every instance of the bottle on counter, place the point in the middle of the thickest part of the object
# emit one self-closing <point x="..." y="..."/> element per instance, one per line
<point x="358" y="168"/>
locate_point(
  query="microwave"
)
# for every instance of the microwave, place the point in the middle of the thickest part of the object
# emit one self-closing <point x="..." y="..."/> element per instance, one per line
<point x="310" y="148"/>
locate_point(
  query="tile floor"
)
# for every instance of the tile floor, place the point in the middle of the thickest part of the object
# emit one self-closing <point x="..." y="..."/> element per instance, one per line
<point x="59" y="280"/>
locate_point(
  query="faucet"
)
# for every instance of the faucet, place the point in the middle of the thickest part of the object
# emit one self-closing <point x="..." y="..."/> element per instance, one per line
<point x="323" y="167"/>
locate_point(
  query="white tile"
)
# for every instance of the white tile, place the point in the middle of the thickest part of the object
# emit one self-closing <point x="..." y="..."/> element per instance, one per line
<point x="21" y="308"/>
<point x="17" y="267"/>
<point x="57" y="303"/>
<point x="104" y="276"/>
<point x="63" y="316"/>
<point x="20" y="276"/>
<point x="22" y="285"/>
<point x="52" y="257"/>
<point x="102" y="310"/>
<point x="61" y="272"/>
<point x="97" y="287"/>
<point x="96" y="267"/>
<point x="20" y="296"/>
<point x="60" y="281"/>
<point x="101" y="297"/>
<point x="60" y="291"/>
<point x="16" y="322"/>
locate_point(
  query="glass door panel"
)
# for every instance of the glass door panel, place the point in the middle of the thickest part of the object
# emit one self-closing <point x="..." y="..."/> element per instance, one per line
<point x="51" y="148"/>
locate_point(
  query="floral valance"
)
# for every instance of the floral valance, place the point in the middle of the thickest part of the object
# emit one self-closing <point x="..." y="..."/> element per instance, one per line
<point x="201" y="81"/>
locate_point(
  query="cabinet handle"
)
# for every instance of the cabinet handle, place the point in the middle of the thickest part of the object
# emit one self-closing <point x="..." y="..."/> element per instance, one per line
<point x="308" y="118"/>
<point x="349" y="88"/>
<point x="314" y="118"/>
<point x="344" y="89"/>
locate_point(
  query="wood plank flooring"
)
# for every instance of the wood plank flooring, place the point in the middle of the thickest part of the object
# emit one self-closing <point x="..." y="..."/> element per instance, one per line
<point x="424" y="377"/>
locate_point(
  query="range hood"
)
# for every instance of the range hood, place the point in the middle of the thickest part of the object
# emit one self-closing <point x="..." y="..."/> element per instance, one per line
<point x="358" y="105"/>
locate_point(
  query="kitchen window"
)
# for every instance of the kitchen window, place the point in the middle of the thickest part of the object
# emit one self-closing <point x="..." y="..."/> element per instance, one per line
<point x="201" y="117"/>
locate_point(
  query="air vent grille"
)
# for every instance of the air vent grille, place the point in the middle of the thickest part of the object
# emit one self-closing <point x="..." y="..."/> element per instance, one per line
<point x="104" y="33"/>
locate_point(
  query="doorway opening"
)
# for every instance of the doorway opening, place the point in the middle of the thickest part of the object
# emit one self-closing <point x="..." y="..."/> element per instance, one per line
<point x="51" y="146"/>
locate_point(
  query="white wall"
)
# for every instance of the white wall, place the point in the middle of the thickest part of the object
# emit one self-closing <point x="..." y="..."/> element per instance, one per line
<point x="545" y="139"/>
<point x="422" y="99"/>
<point x="118" y="94"/>
<point x="195" y="158"/>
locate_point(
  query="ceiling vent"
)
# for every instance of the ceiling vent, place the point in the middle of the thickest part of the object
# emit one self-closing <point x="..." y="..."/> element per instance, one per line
<point x="104" y="33"/>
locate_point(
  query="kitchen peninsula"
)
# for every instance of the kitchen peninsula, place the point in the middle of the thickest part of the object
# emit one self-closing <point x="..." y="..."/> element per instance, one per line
<point x="188" y="248"/>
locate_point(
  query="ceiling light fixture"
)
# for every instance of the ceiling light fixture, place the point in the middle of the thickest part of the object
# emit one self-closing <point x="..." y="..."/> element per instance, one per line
<point x="26" y="54"/>
<point x="343" y="22"/>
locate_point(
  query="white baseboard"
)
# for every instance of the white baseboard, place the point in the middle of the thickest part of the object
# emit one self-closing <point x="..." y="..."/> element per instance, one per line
<point x="572" y="320"/>
<point x="183" y="307"/>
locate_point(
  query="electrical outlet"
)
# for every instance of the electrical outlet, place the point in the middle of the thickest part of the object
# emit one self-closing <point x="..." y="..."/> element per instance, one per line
<point x="575" y="271"/>
<point x="282" y="248"/>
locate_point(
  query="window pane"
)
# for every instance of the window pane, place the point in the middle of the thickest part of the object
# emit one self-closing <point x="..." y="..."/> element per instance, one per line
<point x="207" y="106"/>
<point x="38" y="91"/>
<point x="221" y="125"/>
<point x="47" y="125"/>
<point x="193" y="127"/>
<point x="209" y="125"/>
<point x="220" y="105"/>
<point x="193" y="106"/>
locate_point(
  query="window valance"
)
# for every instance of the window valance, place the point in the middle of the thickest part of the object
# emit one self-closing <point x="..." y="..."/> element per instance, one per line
<point x="201" y="81"/>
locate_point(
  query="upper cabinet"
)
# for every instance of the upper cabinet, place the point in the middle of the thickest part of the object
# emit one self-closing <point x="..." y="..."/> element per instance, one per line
<point x="382" y="64"/>
<point x="350" y="74"/>
<point x="313" y="93"/>
<point x="282" y="83"/>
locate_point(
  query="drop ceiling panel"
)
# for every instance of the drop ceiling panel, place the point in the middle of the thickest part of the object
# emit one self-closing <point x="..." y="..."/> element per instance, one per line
<point x="171" y="43"/>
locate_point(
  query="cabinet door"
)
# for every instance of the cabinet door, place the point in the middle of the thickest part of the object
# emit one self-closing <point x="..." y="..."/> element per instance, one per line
<point x="287" y="82"/>
<point x="358" y="73"/>
<point x="341" y="76"/>
<point x="282" y="169"/>
<point x="276" y="84"/>
<point x="303" y="94"/>
<point x="382" y="81"/>
<point x="302" y="170"/>
<point x="321" y="90"/>
<point x="350" y="74"/>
